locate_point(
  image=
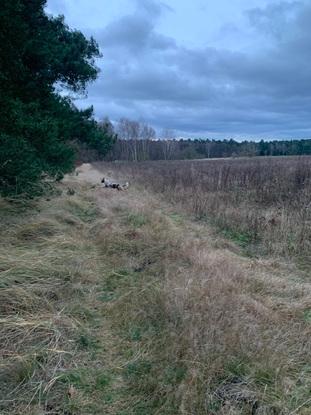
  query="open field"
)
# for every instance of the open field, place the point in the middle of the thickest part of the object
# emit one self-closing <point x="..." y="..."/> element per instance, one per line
<point x="124" y="303"/>
<point x="263" y="204"/>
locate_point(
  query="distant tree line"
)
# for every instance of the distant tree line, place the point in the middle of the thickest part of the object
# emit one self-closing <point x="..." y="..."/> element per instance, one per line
<point x="40" y="56"/>
<point x="138" y="142"/>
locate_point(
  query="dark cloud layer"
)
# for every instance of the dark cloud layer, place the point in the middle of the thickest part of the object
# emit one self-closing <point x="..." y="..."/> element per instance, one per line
<point x="262" y="91"/>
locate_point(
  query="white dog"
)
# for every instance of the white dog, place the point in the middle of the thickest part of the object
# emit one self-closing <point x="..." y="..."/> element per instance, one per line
<point x="114" y="185"/>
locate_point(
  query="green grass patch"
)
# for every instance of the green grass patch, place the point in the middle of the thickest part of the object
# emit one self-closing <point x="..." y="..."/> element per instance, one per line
<point x="264" y="376"/>
<point x="88" y="379"/>
<point x="177" y="218"/>
<point x="243" y="239"/>
<point x="307" y="315"/>
<point x="136" y="220"/>
<point x="135" y="333"/>
<point x="174" y="375"/>
<point x="86" y="341"/>
<point x="86" y="211"/>
<point x="107" y="297"/>
<point x="237" y="368"/>
<point x="138" y="369"/>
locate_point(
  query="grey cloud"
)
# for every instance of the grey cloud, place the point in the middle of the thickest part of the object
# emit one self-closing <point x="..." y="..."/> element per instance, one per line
<point x="151" y="7"/>
<point x="274" y="18"/>
<point x="134" y="33"/>
<point x="129" y="32"/>
<point x="149" y="76"/>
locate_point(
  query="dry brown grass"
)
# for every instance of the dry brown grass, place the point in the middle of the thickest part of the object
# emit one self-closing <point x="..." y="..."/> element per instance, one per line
<point x="237" y="326"/>
<point x="248" y="343"/>
<point x="112" y="302"/>
<point x="262" y="204"/>
<point x="49" y="275"/>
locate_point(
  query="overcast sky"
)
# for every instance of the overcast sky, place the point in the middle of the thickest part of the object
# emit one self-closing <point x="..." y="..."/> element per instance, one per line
<point x="217" y="69"/>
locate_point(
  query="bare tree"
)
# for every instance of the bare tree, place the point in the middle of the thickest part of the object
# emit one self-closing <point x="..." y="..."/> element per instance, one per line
<point x="168" y="134"/>
<point x="128" y="129"/>
<point x="137" y="135"/>
<point x="134" y="130"/>
<point x="168" y="143"/>
<point x="147" y="132"/>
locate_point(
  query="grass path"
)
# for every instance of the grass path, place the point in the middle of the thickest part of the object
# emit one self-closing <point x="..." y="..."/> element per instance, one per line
<point x="114" y="303"/>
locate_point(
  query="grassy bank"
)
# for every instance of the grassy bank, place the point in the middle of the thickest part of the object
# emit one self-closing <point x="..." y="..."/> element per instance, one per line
<point x="50" y="321"/>
<point x="112" y="302"/>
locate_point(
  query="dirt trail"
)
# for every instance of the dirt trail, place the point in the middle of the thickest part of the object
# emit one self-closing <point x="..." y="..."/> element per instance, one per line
<point x="87" y="173"/>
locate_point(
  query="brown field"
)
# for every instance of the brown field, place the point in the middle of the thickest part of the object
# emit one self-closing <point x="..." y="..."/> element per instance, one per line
<point x="263" y="204"/>
<point x="136" y="303"/>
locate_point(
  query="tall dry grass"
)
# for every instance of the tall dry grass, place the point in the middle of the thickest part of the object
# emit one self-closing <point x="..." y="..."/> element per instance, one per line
<point x="204" y="330"/>
<point x="114" y="303"/>
<point x="264" y="204"/>
<point x="236" y="330"/>
<point x="51" y="353"/>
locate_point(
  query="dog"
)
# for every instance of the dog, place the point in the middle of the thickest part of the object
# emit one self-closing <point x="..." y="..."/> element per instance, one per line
<point x="114" y="185"/>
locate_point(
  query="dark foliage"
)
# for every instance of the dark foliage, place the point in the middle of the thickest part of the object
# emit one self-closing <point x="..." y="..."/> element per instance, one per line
<point x="38" y="55"/>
